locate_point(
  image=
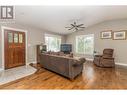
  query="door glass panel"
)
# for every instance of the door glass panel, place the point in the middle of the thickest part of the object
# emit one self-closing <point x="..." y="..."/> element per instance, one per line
<point x="20" y="38"/>
<point x="10" y="37"/>
<point x="15" y="38"/>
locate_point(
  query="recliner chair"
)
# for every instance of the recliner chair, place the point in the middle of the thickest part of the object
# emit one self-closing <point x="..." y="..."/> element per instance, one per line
<point x="105" y="60"/>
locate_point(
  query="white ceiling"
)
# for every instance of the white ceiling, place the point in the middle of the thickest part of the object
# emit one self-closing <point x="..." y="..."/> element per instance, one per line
<point x="56" y="18"/>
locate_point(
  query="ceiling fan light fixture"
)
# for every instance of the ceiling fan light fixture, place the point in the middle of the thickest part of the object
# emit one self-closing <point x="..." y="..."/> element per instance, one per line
<point x="75" y="26"/>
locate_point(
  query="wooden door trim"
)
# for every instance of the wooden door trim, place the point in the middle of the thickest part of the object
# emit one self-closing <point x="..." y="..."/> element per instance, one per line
<point x="2" y="36"/>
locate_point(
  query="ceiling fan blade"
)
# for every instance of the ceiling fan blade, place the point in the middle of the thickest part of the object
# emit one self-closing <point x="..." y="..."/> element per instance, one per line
<point x="71" y="28"/>
<point x="76" y="28"/>
<point x="80" y="25"/>
<point x="73" y="25"/>
<point x="68" y="27"/>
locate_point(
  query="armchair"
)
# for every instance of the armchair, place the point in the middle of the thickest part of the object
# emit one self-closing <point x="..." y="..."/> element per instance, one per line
<point x="105" y="60"/>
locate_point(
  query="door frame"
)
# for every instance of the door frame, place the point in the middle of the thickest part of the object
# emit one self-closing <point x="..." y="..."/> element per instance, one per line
<point x="2" y="36"/>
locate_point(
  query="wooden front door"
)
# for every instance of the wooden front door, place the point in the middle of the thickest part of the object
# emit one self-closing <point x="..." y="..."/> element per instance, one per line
<point x="14" y="51"/>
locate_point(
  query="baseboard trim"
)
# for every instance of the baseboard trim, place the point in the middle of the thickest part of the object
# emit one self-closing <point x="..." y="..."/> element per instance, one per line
<point x="117" y="63"/>
<point x="122" y="64"/>
<point x="34" y="62"/>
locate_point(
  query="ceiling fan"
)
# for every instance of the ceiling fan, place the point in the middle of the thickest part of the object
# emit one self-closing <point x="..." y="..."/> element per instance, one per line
<point x="75" y="26"/>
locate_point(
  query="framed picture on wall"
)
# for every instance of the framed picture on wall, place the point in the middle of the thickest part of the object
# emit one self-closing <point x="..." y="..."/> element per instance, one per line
<point x="106" y="34"/>
<point x="119" y="35"/>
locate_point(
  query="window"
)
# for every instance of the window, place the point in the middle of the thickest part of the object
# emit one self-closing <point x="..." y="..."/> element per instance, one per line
<point x="85" y="44"/>
<point x="15" y="38"/>
<point x="53" y="42"/>
<point x="10" y="37"/>
<point x="20" y="38"/>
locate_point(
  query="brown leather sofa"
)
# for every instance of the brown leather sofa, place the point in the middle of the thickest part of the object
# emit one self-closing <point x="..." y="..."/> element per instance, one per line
<point x="66" y="66"/>
<point x="105" y="60"/>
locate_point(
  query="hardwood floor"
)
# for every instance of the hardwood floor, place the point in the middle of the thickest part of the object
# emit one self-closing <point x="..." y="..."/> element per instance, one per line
<point x="92" y="78"/>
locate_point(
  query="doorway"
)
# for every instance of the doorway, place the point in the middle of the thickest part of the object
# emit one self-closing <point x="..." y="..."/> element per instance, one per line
<point x="14" y="48"/>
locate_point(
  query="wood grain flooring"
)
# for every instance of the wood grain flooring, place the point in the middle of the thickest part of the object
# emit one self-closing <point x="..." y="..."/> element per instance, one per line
<point x="93" y="77"/>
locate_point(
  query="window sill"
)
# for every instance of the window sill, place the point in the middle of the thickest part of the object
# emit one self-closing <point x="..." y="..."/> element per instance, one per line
<point x="84" y="54"/>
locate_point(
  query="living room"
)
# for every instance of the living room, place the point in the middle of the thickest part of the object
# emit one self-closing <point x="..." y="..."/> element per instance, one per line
<point x="63" y="47"/>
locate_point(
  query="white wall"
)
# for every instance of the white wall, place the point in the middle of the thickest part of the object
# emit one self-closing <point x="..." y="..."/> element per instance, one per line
<point x="120" y="46"/>
<point x="35" y="36"/>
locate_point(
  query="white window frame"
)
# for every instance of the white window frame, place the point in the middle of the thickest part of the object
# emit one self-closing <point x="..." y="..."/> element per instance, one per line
<point x="51" y="35"/>
<point x="76" y="49"/>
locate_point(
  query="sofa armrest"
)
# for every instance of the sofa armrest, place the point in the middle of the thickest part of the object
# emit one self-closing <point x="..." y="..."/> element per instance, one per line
<point x="76" y="63"/>
<point x="75" y="67"/>
<point x="79" y="61"/>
